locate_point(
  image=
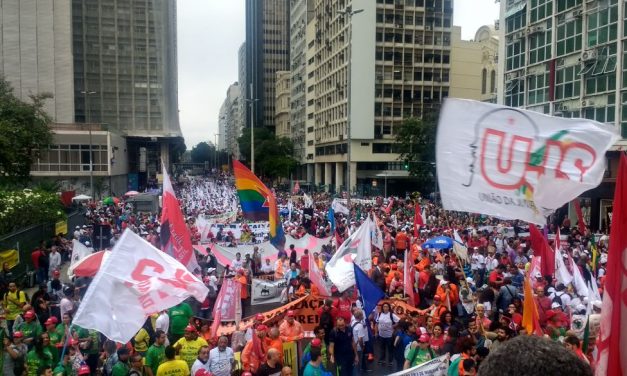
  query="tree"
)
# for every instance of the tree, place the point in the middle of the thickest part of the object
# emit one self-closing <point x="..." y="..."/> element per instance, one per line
<point x="203" y="152"/>
<point x="274" y="157"/>
<point x="25" y="130"/>
<point x="416" y="146"/>
<point x="261" y="135"/>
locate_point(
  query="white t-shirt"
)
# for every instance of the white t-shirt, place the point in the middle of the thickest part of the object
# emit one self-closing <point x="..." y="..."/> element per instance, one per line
<point x="198" y="365"/>
<point x="163" y="322"/>
<point x="359" y="331"/>
<point x="477" y="261"/>
<point x="385" y="324"/>
<point x="219" y="363"/>
<point x="65" y="305"/>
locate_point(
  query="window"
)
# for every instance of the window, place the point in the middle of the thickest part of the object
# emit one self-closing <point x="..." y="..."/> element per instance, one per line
<point x="602" y="26"/>
<point x="493" y="81"/>
<point x="540" y="9"/>
<point x="484" y="80"/>
<point x="540" y="47"/>
<point x="516" y="21"/>
<point x="569" y="37"/>
<point x="567" y="82"/>
<point x="538" y="87"/>
<point x="562" y="5"/>
<point x="515" y="93"/>
<point x="72" y="158"/>
<point x="515" y="55"/>
<point x="600" y="75"/>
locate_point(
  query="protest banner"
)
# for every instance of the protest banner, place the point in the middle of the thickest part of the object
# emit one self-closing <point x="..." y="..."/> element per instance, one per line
<point x="265" y="292"/>
<point x="516" y="164"/>
<point x="435" y="367"/>
<point x="290" y="356"/>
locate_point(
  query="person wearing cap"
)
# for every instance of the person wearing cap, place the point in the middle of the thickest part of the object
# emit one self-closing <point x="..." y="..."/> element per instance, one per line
<point x="290" y="329"/>
<point x="14" y="354"/>
<point x="254" y="353"/>
<point x="172" y="366"/>
<point x="156" y="353"/>
<point x="419" y="352"/>
<point x="12" y="303"/>
<point x="259" y="318"/>
<point x="180" y="316"/>
<point x="51" y="329"/>
<point x="317" y="342"/>
<point x="314" y="366"/>
<point x="188" y="346"/>
<point x="448" y="293"/>
<point x="221" y="358"/>
<point x="30" y="327"/>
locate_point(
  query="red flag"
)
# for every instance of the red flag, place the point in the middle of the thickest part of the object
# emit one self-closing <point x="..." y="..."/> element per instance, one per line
<point x="612" y="340"/>
<point x="389" y="207"/>
<point x="541" y="248"/>
<point x="580" y="222"/>
<point x="408" y="278"/>
<point x="316" y="278"/>
<point x="418" y="220"/>
<point x="175" y="238"/>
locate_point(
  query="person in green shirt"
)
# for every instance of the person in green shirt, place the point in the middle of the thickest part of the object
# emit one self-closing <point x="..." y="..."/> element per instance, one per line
<point x="419" y="352"/>
<point x="38" y="357"/>
<point x="30" y="327"/>
<point x="156" y="353"/>
<point x="314" y="366"/>
<point x="64" y="367"/>
<point x="63" y="327"/>
<point x="55" y="337"/>
<point x="180" y="316"/>
<point x="121" y="368"/>
<point x="53" y="350"/>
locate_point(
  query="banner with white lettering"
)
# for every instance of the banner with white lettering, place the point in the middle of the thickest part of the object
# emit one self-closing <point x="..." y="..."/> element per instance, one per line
<point x="260" y="229"/>
<point x="264" y="292"/>
<point x="513" y="163"/>
<point x="435" y="367"/>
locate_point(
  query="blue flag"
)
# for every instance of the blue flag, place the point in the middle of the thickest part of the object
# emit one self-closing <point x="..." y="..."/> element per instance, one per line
<point x="331" y="218"/>
<point x="369" y="292"/>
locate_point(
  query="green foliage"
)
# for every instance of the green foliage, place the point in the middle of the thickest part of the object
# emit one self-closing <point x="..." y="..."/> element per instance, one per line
<point x="21" y="209"/>
<point x="416" y="144"/>
<point x="25" y="131"/>
<point x="206" y="152"/>
<point x="274" y="157"/>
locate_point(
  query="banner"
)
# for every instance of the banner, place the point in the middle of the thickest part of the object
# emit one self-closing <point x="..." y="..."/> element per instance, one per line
<point x="356" y="249"/>
<point x="260" y="229"/>
<point x="135" y="282"/>
<point x="435" y="367"/>
<point x="290" y="356"/>
<point x="60" y="228"/>
<point x="11" y="257"/>
<point x="516" y="164"/>
<point x="265" y="292"/>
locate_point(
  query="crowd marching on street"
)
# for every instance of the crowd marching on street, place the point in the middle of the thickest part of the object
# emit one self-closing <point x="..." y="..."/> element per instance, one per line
<point x="466" y="282"/>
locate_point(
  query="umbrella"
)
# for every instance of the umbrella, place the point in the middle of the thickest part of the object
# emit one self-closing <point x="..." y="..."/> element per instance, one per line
<point x="89" y="266"/>
<point x="111" y="201"/>
<point x="131" y="193"/>
<point x="440" y="242"/>
<point x="81" y="198"/>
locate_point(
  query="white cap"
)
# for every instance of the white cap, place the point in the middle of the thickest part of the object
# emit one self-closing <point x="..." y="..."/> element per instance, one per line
<point x="556" y="305"/>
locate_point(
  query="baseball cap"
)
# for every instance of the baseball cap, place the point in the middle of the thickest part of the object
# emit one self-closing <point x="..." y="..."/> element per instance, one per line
<point x="423" y="338"/>
<point x="56" y="273"/>
<point x="555" y="305"/>
<point x="29" y="314"/>
<point x="203" y="372"/>
<point x="190" y="328"/>
<point x="437" y="297"/>
<point x="18" y="334"/>
<point x="316" y="342"/>
<point x="49" y="322"/>
<point x="290" y="313"/>
<point x="262" y="328"/>
<point x="259" y="317"/>
<point x="84" y="370"/>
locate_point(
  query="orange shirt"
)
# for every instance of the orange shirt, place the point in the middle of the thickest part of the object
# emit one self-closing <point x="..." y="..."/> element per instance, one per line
<point x="452" y="295"/>
<point x="422" y="264"/>
<point x="250" y="360"/>
<point x="275" y="344"/>
<point x="244" y="292"/>
<point x="290" y="332"/>
<point x="401" y="240"/>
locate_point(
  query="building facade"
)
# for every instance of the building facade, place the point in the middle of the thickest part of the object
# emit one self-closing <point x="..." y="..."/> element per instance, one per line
<point x="474" y="67"/>
<point x="231" y="123"/>
<point x="282" y="105"/>
<point x="267" y="51"/>
<point x="389" y="61"/>
<point x="567" y="58"/>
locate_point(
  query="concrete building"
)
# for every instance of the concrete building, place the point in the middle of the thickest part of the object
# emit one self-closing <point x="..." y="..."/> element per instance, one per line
<point x="474" y="69"/>
<point x="390" y="61"/>
<point x="267" y="51"/>
<point x="231" y="123"/>
<point x="567" y="58"/>
<point x="282" y="104"/>
<point x="243" y="93"/>
<point x="301" y="12"/>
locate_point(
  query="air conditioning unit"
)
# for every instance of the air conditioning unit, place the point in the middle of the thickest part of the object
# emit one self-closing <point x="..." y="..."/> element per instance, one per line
<point x="534" y="30"/>
<point x="511" y="76"/>
<point x="428" y="27"/>
<point x="564" y="107"/>
<point x="518" y="35"/>
<point x="578" y="13"/>
<point x="560" y="63"/>
<point x="587" y="103"/>
<point x="589" y="55"/>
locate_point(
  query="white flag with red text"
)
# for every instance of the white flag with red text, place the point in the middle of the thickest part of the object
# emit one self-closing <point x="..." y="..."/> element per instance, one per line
<point x="136" y="281"/>
<point x="315" y="276"/>
<point x="176" y="240"/>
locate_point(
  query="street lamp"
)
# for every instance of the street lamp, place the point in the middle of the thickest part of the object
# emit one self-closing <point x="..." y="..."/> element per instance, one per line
<point x="349" y="12"/>
<point x="87" y="93"/>
<point x="251" y="103"/>
<point x="215" y="159"/>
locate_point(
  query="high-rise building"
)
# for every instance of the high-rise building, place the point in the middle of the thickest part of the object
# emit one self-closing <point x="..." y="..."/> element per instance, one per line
<point x="474" y="65"/>
<point x="301" y="12"/>
<point x="282" y="105"/>
<point x="389" y="61"/>
<point x="567" y="58"/>
<point x="267" y="51"/>
<point x="231" y="121"/>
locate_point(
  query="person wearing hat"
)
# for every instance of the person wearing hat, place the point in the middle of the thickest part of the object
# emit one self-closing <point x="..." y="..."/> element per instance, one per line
<point x="188" y="346"/>
<point x="290" y="329"/>
<point x="318" y="343"/>
<point x="51" y="330"/>
<point x="30" y="327"/>
<point x="419" y="352"/>
<point x="172" y="366"/>
<point x="258" y="320"/>
<point x="14" y="354"/>
<point x="254" y="353"/>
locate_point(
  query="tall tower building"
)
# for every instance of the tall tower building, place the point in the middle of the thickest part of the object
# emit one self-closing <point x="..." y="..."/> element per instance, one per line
<point x="567" y="58"/>
<point x="267" y="51"/>
<point x="390" y="61"/>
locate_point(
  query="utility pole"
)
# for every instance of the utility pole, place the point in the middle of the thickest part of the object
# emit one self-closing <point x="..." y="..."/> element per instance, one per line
<point x="251" y="102"/>
<point x="87" y="93"/>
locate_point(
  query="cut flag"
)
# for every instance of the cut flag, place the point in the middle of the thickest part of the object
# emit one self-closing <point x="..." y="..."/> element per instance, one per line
<point x="79" y="252"/>
<point x="315" y="276"/>
<point x="408" y="279"/>
<point x="370" y="293"/>
<point x="612" y="339"/>
<point x="419" y="220"/>
<point x="459" y="248"/>
<point x="258" y="202"/>
<point x="175" y="238"/>
<point x="228" y="304"/>
<point x="135" y="282"/>
<point x="530" y="320"/>
<point x="581" y="224"/>
<point x="541" y="248"/>
<point x="561" y="272"/>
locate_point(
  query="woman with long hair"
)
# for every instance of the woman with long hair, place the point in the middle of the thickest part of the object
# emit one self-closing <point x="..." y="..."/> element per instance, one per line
<point x="437" y="338"/>
<point x="385" y="322"/>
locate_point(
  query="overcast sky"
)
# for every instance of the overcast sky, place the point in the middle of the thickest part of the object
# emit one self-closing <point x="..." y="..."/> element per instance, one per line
<point x="210" y="33"/>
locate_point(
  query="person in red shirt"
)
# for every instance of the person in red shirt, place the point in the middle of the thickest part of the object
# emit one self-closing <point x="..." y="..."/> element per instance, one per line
<point x="496" y="276"/>
<point x="304" y="261"/>
<point x="344" y="305"/>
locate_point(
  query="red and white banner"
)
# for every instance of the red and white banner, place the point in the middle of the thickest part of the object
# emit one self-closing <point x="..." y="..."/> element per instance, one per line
<point x="315" y="276"/>
<point x="228" y="306"/>
<point x="612" y="340"/>
<point x="516" y="164"/>
<point x="135" y="282"/>
<point x="356" y="249"/>
<point x="408" y="279"/>
<point x="176" y="240"/>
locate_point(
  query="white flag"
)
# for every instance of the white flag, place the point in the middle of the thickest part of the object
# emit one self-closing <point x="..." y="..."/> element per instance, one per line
<point x="357" y="249"/>
<point x="561" y="272"/>
<point x="578" y="282"/>
<point x="377" y="235"/>
<point x="79" y="252"/>
<point x="308" y="200"/>
<point x="516" y="164"/>
<point x="136" y="281"/>
<point x="459" y="248"/>
<point x="338" y="207"/>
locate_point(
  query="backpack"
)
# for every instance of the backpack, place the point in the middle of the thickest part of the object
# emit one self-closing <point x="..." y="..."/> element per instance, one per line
<point x="557" y="299"/>
<point x="326" y="320"/>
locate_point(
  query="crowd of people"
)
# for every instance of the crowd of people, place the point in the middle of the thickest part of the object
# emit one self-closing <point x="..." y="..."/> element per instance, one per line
<point x="468" y="308"/>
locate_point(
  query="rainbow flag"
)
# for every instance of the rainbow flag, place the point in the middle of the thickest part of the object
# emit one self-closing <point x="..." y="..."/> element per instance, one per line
<point x="258" y="202"/>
